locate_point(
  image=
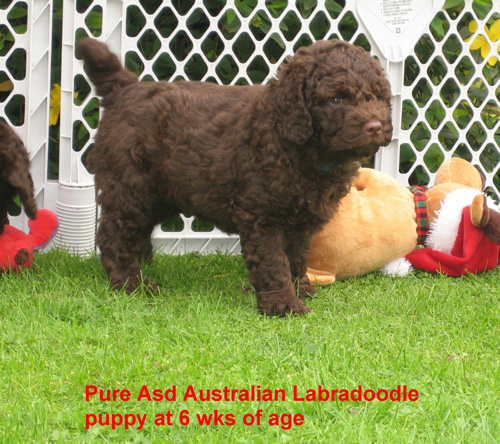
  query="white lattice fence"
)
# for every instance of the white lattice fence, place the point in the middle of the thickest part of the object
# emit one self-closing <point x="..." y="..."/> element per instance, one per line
<point x="451" y="94"/>
<point x="446" y="89"/>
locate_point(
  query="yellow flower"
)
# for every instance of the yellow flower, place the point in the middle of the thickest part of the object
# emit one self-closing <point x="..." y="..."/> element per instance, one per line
<point x="7" y="85"/>
<point x="481" y="43"/>
<point x="55" y="104"/>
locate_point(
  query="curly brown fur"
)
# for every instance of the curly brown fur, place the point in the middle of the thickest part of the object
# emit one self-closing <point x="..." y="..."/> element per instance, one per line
<point x="15" y="177"/>
<point x="268" y="162"/>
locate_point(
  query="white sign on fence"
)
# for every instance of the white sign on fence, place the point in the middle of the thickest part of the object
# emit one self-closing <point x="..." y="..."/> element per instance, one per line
<point x="396" y="25"/>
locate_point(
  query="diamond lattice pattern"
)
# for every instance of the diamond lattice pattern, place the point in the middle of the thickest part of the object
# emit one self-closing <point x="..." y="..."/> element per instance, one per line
<point x="451" y="92"/>
<point x="449" y="98"/>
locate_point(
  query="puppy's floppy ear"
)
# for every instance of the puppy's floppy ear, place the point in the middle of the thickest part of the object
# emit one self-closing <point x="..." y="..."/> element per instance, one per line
<point x="22" y="183"/>
<point x="14" y="170"/>
<point x="287" y="95"/>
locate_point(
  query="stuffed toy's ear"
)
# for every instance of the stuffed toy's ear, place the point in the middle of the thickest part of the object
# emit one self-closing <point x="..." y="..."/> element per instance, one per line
<point x="456" y="170"/>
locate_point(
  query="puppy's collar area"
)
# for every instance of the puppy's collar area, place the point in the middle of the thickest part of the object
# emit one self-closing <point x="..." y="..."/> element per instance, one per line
<point x="328" y="169"/>
<point x="332" y="169"/>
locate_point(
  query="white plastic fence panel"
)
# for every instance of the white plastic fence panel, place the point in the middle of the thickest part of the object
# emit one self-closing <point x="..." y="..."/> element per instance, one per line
<point x="446" y="89"/>
<point x="451" y="93"/>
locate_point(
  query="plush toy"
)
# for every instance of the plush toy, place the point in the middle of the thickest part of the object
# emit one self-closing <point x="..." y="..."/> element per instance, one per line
<point x="451" y="228"/>
<point x="16" y="247"/>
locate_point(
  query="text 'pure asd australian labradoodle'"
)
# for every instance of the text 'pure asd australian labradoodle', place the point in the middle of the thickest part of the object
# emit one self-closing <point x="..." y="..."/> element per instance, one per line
<point x="269" y="163"/>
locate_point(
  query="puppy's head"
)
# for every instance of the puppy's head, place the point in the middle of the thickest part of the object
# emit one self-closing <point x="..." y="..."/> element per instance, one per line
<point x="335" y="97"/>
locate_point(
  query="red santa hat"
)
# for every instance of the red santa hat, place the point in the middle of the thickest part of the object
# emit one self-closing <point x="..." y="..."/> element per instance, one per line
<point x="455" y="246"/>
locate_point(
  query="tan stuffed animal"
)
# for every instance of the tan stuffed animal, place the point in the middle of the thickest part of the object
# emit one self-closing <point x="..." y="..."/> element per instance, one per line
<point x="376" y="223"/>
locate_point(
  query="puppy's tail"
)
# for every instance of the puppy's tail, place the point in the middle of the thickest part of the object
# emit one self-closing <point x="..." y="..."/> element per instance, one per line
<point x="103" y="67"/>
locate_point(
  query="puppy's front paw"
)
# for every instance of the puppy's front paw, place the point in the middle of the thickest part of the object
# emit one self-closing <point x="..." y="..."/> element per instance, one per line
<point x="148" y="287"/>
<point x="134" y="283"/>
<point x="306" y="291"/>
<point x="276" y="303"/>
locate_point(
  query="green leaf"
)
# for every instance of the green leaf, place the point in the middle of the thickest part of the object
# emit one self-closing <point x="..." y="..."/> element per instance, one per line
<point x="309" y="4"/>
<point x="283" y="26"/>
<point x="94" y="20"/>
<point x="245" y="7"/>
<point x="449" y="4"/>
<point x="276" y="7"/>
<point x="278" y="40"/>
<point x="82" y="132"/>
<point x="437" y="24"/>
<point x="333" y="6"/>
<point x="17" y="12"/>
<point x="194" y="17"/>
<point x="231" y="15"/>
<point x="460" y="113"/>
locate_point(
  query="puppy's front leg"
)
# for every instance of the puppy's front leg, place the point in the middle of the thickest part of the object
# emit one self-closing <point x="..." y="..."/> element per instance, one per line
<point x="269" y="269"/>
<point x="5" y="202"/>
<point x="298" y="247"/>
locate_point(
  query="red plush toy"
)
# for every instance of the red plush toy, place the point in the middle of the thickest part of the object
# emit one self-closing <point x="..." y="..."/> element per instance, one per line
<point x="16" y="247"/>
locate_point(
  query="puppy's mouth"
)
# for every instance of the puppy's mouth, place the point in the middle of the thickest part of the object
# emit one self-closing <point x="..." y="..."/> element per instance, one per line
<point x="363" y="142"/>
<point x="372" y="144"/>
<point x="373" y="132"/>
<point x="340" y="148"/>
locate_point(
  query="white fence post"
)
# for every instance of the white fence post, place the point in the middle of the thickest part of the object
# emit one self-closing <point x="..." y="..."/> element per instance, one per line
<point x="76" y="207"/>
<point x="395" y="26"/>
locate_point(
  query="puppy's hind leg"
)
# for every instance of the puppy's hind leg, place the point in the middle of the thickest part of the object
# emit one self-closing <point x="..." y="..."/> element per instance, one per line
<point x="5" y="202"/>
<point x="162" y="213"/>
<point x="298" y="246"/>
<point x="121" y="241"/>
<point x="145" y="247"/>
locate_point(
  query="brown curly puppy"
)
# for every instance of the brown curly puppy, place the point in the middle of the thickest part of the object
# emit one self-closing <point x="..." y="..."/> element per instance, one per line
<point x="267" y="162"/>
<point x="15" y="177"/>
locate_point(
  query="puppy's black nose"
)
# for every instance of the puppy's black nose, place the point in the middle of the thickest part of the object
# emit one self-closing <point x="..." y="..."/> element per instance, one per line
<point x="373" y="127"/>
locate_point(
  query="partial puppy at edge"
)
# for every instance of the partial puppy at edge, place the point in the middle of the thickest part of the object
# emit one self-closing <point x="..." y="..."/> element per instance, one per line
<point x="15" y="176"/>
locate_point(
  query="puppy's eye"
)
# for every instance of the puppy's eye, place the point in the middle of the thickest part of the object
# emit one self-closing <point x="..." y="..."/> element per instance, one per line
<point x="337" y="100"/>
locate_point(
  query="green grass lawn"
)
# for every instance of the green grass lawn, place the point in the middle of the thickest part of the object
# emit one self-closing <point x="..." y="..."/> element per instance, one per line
<point x="62" y="329"/>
